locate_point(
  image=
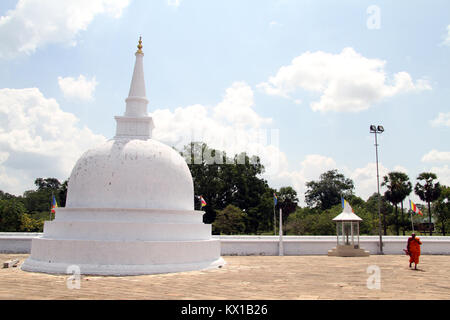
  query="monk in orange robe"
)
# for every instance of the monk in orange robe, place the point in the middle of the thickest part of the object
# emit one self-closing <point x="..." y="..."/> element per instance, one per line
<point x="413" y="249"/>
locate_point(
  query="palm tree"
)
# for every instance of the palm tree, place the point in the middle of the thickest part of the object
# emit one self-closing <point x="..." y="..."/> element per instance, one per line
<point x="442" y="208"/>
<point x="398" y="188"/>
<point x="287" y="201"/>
<point x="405" y="190"/>
<point x="428" y="190"/>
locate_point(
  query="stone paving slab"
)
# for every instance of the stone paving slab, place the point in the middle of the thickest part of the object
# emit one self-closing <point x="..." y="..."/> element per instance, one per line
<point x="249" y="278"/>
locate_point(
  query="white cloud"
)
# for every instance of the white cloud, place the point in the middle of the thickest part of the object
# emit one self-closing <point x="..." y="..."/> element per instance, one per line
<point x="365" y="179"/>
<point x="346" y="82"/>
<point x="36" y="23"/>
<point x="313" y="165"/>
<point x="40" y="139"/>
<point x="81" y="88"/>
<point x="436" y="156"/>
<point x="400" y="169"/>
<point x="442" y="173"/>
<point x="232" y="125"/>
<point x="273" y="24"/>
<point x="237" y="107"/>
<point x="309" y="169"/>
<point x="446" y="41"/>
<point x="226" y="124"/>
<point x="443" y="119"/>
<point x="3" y="156"/>
<point x="174" y="3"/>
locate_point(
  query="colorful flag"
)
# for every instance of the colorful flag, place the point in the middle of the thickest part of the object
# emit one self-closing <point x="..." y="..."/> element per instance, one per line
<point x="203" y="201"/>
<point x="414" y="208"/>
<point x="345" y="202"/>
<point x="54" y="204"/>
<point x="275" y="199"/>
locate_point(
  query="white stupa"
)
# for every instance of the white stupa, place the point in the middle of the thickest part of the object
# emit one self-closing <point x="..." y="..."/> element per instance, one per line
<point x="130" y="206"/>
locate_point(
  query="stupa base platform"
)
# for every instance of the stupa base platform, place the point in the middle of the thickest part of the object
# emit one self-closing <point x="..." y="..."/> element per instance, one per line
<point x="348" y="251"/>
<point x="120" y="258"/>
<point x="118" y="270"/>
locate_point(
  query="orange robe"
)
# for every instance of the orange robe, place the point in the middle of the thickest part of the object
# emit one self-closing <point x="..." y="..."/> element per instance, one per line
<point x="414" y="250"/>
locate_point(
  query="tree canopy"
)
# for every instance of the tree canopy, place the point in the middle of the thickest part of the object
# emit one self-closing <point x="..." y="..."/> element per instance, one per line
<point x="428" y="190"/>
<point x="240" y="201"/>
<point x="398" y="188"/>
<point x="223" y="181"/>
<point x="328" y="191"/>
<point x="441" y="207"/>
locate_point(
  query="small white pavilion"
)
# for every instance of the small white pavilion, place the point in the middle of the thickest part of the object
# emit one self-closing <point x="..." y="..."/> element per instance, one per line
<point x="347" y="232"/>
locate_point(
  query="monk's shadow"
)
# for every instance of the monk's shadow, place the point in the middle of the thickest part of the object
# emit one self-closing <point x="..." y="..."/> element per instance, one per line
<point x="418" y="269"/>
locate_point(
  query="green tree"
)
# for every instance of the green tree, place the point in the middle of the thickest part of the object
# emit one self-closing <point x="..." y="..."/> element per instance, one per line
<point x="369" y="223"/>
<point x="230" y="220"/>
<point x="306" y="221"/>
<point x="441" y="208"/>
<point x="398" y="188"/>
<point x="223" y="180"/>
<point x="11" y="213"/>
<point x="261" y="215"/>
<point x="39" y="200"/>
<point x="296" y="222"/>
<point x="62" y="193"/>
<point x="6" y="196"/>
<point x="327" y="192"/>
<point x="47" y="183"/>
<point x="287" y="202"/>
<point x="29" y="224"/>
<point x="385" y="210"/>
<point x="428" y="190"/>
<point x="324" y="225"/>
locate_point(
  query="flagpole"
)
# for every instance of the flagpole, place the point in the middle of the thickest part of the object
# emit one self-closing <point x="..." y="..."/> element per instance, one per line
<point x="280" y="246"/>
<point x="411" y="211"/>
<point x="51" y="206"/>
<point x="274" y="220"/>
<point x="275" y="201"/>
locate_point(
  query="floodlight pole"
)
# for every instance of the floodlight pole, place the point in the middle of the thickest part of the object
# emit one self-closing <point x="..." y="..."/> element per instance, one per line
<point x="378" y="188"/>
<point x="280" y="244"/>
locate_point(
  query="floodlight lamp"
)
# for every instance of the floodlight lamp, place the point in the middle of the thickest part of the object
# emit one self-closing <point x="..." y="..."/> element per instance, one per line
<point x="380" y="129"/>
<point x="373" y="128"/>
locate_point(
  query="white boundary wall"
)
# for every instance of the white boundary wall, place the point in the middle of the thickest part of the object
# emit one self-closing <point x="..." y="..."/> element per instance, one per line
<point x="319" y="245"/>
<point x="16" y="242"/>
<point x="269" y="245"/>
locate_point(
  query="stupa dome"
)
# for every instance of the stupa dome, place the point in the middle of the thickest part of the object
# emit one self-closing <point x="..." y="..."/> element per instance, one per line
<point x="140" y="174"/>
<point x="129" y="208"/>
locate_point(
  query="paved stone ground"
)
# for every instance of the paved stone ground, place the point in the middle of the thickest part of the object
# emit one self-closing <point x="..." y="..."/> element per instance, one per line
<point x="249" y="278"/>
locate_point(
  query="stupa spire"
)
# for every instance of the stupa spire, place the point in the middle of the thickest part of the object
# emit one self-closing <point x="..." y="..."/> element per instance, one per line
<point x="135" y="123"/>
<point x="140" y="46"/>
<point x="137" y="100"/>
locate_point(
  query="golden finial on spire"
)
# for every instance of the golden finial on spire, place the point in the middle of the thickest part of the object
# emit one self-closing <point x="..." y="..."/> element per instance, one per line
<point x="140" y="46"/>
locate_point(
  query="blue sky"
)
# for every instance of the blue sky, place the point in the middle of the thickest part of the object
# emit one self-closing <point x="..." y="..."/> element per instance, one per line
<point x="317" y="73"/>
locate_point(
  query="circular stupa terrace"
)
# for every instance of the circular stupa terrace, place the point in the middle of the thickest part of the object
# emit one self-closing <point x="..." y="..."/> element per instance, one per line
<point x="130" y="206"/>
